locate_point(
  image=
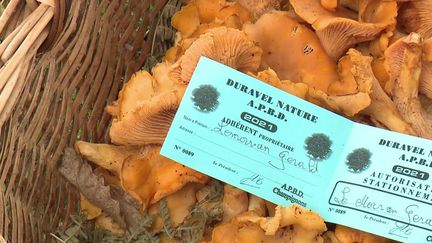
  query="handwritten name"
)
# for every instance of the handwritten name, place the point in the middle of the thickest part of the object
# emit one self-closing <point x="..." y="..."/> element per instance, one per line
<point x="222" y="130"/>
<point x="415" y="217"/>
<point x="285" y="159"/>
<point x="363" y="202"/>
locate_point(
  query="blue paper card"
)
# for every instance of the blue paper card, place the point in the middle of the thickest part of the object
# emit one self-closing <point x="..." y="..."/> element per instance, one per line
<point x="249" y="134"/>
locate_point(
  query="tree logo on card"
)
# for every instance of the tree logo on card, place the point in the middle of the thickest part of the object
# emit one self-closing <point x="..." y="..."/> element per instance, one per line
<point x="318" y="148"/>
<point x="205" y="98"/>
<point x="358" y="160"/>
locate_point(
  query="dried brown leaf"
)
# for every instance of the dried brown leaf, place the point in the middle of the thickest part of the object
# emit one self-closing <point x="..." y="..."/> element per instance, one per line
<point x="113" y="201"/>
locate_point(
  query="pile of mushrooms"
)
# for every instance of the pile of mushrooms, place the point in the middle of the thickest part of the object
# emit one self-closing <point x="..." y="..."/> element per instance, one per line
<point x="368" y="60"/>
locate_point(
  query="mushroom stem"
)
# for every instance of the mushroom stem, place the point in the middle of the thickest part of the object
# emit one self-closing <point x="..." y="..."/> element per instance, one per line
<point x="257" y="205"/>
<point x="406" y="83"/>
<point x="235" y="201"/>
<point x="381" y="107"/>
<point x="426" y="79"/>
<point x="8" y="12"/>
<point x="27" y="26"/>
<point x="383" y="110"/>
<point x="426" y="72"/>
<point x="107" y="156"/>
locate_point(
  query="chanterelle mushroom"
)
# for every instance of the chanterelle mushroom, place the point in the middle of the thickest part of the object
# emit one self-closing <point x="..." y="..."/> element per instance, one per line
<point x="187" y="20"/>
<point x="234" y="9"/>
<point x="179" y="205"/>
<point x="290" y="224"/>
<point x="426" y="72"/>
<point x="260" y="7"/>
<point x="348" y="103"/>
<point x="329" y="4"/>
<point x="146" y="107"/>
<point x="415" y="16"/>
<point x="269" y="76"/>
<point x="137" y="90"/>
<point x="150" y="122"/>
<point x="257" y="205"/>
<point x="107" y="156"/>
<point x="225" y="45"/>
<point x="381" y="107"/>
<point x="151" y="176"/>
<point x="292" y="50"/>
<point x="235" y="201"/>
<point x="426" y="79"/>
<point x="349" y="235"/>
<point x="351" y="94"/>
<point x="336" y="31"/>
<point x="383" y="13"/>
<point x="285" y="216"/>
<point x="207" y="9"/>
<point x="403" y="61"/>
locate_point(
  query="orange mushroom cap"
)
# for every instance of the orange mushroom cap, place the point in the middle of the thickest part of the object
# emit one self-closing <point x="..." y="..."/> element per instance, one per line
<point x="415" y="16"/>
<point x="381" y="108"/>
<point x="292" y="50"/>
<point x="235" y="201"/>
<point x="208" y="9"/>
<point x="151" y="176"/>
<point x="260" y="7"/>
<point x="234" y="9"/>
<point x="269" y="76"/>
<point x="137" y="90"/>
<point x="107" y="156"/>
<point x="150" y="122"/>
<point x="290" y="224"/>
<point x="404" y="62"/>
<point x="146" y="107"/>
<point x="329" y="4"/>
<point x="348" y="235"/>
<point x="179" y="205"/>
<point x="225" y="45"/>
<point x="187" y="20"/>
<point x="337" y="32"/>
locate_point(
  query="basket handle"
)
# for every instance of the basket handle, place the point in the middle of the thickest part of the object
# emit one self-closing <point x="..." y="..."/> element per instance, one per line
<point x="58" y="22"/>
<point x="48" y="2"/>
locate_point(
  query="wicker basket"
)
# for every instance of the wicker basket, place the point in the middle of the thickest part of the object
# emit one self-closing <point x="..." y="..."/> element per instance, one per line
<point x="91" y="47"/>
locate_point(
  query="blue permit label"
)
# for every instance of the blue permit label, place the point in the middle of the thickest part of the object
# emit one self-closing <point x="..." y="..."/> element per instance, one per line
<point x="263" y="140"/>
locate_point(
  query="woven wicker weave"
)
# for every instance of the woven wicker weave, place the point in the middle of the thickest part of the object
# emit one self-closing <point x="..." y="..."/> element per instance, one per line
<point x="93" y="46"/>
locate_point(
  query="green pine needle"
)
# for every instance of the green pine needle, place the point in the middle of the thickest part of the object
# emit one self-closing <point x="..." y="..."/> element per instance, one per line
<point x="164" y="213"/>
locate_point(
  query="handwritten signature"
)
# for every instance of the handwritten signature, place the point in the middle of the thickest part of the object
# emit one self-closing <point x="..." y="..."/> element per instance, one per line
<point x="363" y="202"/>
<point x="285" y="159"/>
<point x="414" y="217"/>
<point x="412" y="213"/>
<point x="255" y="180"/>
